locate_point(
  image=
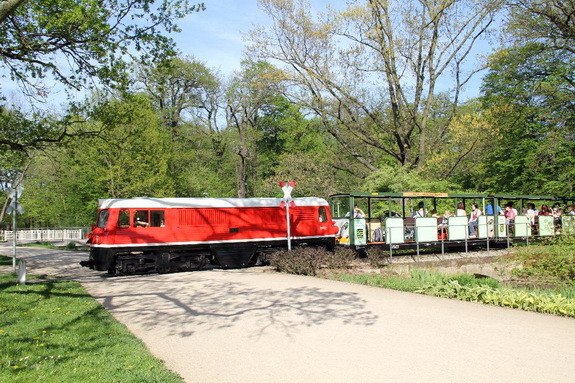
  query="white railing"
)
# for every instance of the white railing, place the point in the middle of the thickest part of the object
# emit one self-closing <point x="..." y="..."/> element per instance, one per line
<point x="45" y="235"/>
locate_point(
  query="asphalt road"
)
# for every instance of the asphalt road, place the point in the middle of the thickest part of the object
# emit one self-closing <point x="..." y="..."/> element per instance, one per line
<point x="254" y="325"/>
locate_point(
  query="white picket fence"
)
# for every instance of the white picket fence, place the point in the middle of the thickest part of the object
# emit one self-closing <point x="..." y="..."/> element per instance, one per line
<point x="45" y="235"/>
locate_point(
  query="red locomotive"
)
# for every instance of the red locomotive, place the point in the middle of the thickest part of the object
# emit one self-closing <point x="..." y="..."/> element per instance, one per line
<point x="177" y="234"/>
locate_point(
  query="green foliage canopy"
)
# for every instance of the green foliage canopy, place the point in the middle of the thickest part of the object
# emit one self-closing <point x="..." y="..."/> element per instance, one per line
<point x="86" y="41"/>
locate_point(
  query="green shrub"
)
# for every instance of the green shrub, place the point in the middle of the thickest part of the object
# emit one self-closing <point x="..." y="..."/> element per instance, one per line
<point x="552" y="263"/>
<point x="470" y="280"/>
<point x="71" y="246"/>
<point x="425" y="276"/>
<point x="519" y="299"/>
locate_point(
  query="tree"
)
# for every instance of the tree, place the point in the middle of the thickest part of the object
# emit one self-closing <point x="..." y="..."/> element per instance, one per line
<point x="530" y="91"/>
<point x="466" y="142"/>
<point x="549" y="21"/>
<point x="372" y="71"/>
<point x="292" y="146"/>
<point x="180" y="86"/>
<point x="7" y="7"/>
<point x="190" y="98"/>
<point x="80" y="44"/>
<point x="248" y="93"/>
<point x="85" y="42"/>
<point x="129" y="159"/>
<point x="13" y="167"/>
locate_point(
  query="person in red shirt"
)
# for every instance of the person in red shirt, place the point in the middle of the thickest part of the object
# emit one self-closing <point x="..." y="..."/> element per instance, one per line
<point x="544" y="210"/>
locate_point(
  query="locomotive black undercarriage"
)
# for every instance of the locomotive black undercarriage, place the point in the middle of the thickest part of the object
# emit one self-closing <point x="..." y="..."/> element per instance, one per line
<point x="166" y="259"/>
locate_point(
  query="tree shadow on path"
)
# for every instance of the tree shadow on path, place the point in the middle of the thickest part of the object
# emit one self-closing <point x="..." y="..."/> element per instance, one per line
<point x="187" y="303"/>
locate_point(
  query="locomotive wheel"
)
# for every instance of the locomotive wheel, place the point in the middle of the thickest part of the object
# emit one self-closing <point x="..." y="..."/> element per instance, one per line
<point x="113" y="270"/>
<point x="163" y="263"/>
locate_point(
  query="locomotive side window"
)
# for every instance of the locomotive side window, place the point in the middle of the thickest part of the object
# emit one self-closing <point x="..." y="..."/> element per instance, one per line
<point x="103" y="218"/>
<point x="157" y="218"/>
<point x="322" y="214"/>
<point x="141" y="218"/>
<point x="149" y="218"/>
<point x="124" y="219"/>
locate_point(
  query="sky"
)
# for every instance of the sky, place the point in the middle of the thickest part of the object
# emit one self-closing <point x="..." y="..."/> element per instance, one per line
<point x="214" y="36"/>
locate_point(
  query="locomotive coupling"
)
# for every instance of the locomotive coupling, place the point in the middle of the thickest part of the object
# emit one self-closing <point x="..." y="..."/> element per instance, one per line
<point x="89" y="264"/>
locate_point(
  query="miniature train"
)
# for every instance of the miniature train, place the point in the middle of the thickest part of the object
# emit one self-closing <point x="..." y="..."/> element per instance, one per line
<point x="392" y="221"/>
<point x="178" y="234"/>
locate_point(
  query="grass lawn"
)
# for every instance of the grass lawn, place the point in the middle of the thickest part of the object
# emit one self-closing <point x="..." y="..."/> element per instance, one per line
<point x="54" y="331"/>
<point x="5" y="261"/>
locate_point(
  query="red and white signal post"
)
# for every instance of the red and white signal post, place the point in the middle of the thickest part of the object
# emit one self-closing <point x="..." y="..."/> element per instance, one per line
<point x="287" y="202"/>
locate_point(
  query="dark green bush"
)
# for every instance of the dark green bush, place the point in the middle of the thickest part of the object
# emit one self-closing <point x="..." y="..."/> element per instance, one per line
<point x="553" y="263"/>
<point x="71" y="246"/>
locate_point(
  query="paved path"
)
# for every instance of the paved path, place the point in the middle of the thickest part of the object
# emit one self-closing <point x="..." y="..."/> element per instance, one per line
<point x="253" y="325"/>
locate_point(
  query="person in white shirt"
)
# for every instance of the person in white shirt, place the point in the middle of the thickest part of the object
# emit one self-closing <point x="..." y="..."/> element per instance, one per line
<point x="473" y="218"/>
<point x="460" y="210"/>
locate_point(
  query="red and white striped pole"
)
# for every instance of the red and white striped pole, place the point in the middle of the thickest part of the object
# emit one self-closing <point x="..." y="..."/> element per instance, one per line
<point x="287" y="202"/>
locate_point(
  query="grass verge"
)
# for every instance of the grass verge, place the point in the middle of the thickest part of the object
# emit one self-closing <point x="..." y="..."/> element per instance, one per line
<point x="5" y="261"/>
<point x="467" y="288"/>
<point x="54" y="331"/>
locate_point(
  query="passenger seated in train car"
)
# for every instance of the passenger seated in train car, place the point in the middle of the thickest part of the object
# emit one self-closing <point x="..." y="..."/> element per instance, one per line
<point x="509" y="217"/>
<point x="442" y="227"/>
<point x="489" y="209"/>
<point x="420" y="212"/>
<point x="571" y="211"/>
<point x="557" y="212"/>
<point x="357" y="212"/>
<point x="512" y="205"/>
<point x="544" y="210"/>
<point x="473" y="218"/>
<point x="460" y="210"/>
<point x="531" y="214"/>
<point x="434" y="213"/>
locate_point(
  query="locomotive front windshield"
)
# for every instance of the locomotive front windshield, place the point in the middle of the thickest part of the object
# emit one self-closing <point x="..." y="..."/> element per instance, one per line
<point x="103" y="218"/>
